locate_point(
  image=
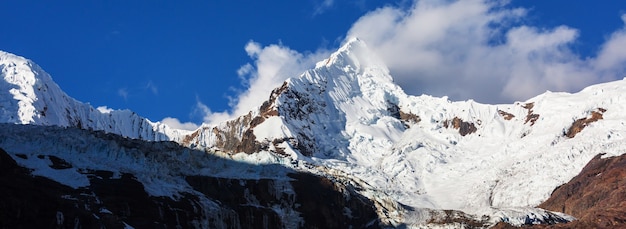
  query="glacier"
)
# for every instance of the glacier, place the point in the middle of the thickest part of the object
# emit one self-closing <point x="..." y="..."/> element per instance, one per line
<point x="346" y="119"/>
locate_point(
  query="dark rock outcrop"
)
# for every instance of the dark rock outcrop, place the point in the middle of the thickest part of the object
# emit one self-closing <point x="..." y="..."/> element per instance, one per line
<point x="506" y="115"/>
<point x="464" y="127"/>
<point x="581" y="123"/>
<point x="28" y="201"/>
<point x="237" y="135"/>
<point x="409" y="117"/>
<point x="113" y="200"/>
<point x="596" y="196"/>
<point x="530" y="116"/>
<point x="325" y="203"/>
<point x="250" y="203"/>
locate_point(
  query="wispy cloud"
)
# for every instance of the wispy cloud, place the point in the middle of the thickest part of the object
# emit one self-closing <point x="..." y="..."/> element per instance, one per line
<point x="123" y="92"/>
<point x="147" y="87"/>
<point x="151" y="86"/>
<point x="322" y="6"/>
<point x="209" y="116"/>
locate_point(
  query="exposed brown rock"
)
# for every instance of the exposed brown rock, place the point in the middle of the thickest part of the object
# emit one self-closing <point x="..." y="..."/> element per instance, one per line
<point x="231" y="139"/>
<point x="530" y="117"/>
<point x="193" y="136"/>
<point x="406" y="118"/>
<point x="464" y="127"/>
<point x="249" y="144"/>
<point x="256" y="121"/>
<point x="581" y="123"/>
<point x="277" y="142"/>
<point x="596" y="196"/>
<point x="409" y="117"/>
<point x="451" y="218"/>
<point x="506" y="115"/>
<point x="266" y="109"/>
<point x="237" y="135"/>
<point x="529" y="106"/>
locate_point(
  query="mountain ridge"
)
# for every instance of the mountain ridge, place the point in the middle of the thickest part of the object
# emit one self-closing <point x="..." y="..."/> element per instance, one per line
<point x="345" y="119"/>
<point x="37" y="99"/>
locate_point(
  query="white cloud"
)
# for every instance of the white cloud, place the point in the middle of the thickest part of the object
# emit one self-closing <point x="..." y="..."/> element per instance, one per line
<point x="209" y="116"/>
<point x="245" y="70"/>
<point x="612" y="56"/>
<point x="272" y="65"/>
<point x="476" y="49"/>
<point x="466" y="49"/>
<point x="104" y="109"/>
<point x="176" y="124"/>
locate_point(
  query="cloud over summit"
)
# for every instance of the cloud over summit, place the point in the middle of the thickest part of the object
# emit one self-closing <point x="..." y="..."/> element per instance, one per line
<point x="479" y="49"/>
<point x="483" y="50"/>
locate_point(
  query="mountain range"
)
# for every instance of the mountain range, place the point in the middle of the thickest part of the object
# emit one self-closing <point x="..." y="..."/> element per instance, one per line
<point x="339" y="146"/>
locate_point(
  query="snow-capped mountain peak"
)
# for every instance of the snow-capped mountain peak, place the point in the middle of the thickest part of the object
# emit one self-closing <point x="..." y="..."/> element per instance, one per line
<point x="344" y="95"/>
<point x="30" y="96"/>
<point x="27" y="87"/>
<point x="354" y="88"/>
<point x="347" y="115"/>
<point x="354" y="54"/>
<point x="347" y="120"/>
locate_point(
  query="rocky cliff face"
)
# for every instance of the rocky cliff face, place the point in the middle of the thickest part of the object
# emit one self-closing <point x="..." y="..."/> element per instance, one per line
<point x="426" y="153"/>
<point x="596" y="196"/>
<point x="117" y="197"/>
<point x="343" y="126"/>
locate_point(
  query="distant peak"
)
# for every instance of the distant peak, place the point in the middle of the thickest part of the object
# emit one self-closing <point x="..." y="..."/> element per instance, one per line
<point x="20" y="71"/>
<point x="353" y="44"/>
<point x="3" y="53"/>
<point x="353" y="41"/>
<point x="10" y="57"/>
<point x="354" y="52"/>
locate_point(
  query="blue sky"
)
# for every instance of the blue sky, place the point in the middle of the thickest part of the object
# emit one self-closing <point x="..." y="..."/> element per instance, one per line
<point x="205" y="61"/>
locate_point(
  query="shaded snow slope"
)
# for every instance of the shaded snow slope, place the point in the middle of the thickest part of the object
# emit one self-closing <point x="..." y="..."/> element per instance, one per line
<point x="346" y="119"/>
<point x="160" y="166"/>
<point x="347" y="115"/>
<point x="99" y="179"/>
<point x="29" y="96"/>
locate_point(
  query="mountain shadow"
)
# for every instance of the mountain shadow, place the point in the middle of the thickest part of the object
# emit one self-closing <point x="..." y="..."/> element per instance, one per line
<point x="54" y="177"/>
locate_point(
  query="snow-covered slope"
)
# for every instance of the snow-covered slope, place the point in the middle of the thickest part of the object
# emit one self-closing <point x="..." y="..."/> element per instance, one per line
<point x="98" y="180"/>
<point x="346" y="116"/>
<point x="347" y="120"/>
<point x="29" y="96"/>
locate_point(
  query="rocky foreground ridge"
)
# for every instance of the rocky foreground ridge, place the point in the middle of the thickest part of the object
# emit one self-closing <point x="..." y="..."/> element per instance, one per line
<point x="340" y="145"/>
